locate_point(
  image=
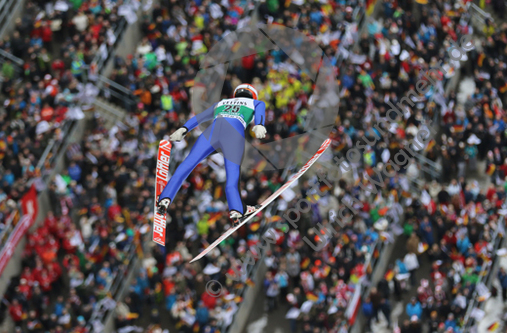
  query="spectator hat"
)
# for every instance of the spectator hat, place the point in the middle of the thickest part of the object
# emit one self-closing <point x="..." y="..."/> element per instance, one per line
<point x="473" y="140"/>
<point x="414" y="318"/>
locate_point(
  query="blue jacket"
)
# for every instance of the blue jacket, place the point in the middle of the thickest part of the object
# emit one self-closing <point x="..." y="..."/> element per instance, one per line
<point x="450" y="323"/>
<point x="202" y="315"/>
<point x="414" y="310"/>
<point x="368" y="309"/>
<point x="503" y="279"/>
<point x="169" y="301"/>
<point x="463" y="245"/>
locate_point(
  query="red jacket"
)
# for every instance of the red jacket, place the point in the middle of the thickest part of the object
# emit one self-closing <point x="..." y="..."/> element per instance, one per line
<point x="47" y="113"/>
<point x="28" y="276"/>
<point x="70" y="260"/>
<point x="26" y="290"/>
<point x="209" y="301"/>
<point x="16" y="312"/>
<point x="46" y="33"/>
<point x="113" y="211"/>
<point x="248" y="62"/>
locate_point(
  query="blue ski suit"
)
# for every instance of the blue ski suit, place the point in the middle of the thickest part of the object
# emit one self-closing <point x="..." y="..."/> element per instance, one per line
<point x="227" y="133"/>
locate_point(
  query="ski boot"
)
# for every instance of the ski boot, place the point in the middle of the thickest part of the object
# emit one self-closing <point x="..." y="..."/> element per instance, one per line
<point x="237" y="217"/>
<point x="162" y="206"/>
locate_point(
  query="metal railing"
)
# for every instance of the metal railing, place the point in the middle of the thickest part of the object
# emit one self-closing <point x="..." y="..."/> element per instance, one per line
<point x="100" y="62"/>
<point x="9" y="226"/>
<point x="119" y="30"/>
<point x="120" y="95"/>
<point x="53" y="149"/>
<point x="111" y="114"/>
<point x="4" y="55"/>
<point x="7" y="8"/>
<point x="112" y="290"/>
<point x="16" y="63"/>
<point x="478" y="16"/>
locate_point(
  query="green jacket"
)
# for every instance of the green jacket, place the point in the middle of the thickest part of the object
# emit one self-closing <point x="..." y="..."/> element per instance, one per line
<point x="202" y="225"/>
<point x="8" y="71"/>
<point x="76" y="4"/>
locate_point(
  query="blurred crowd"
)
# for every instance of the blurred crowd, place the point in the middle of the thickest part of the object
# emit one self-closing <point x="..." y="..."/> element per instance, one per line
<point x="55" y="264"/>
<point x="60" y="38"/>
<point x="454" y="221"/>
<point x="54" y="40"/>
<point x="476" y="132"/>
<point x="71" y="266"/>
<point x="454" y="230"/>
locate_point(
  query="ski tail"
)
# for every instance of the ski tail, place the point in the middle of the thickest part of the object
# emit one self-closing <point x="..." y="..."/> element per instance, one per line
<point x="269" y="200"/>
<point x="163" y="159"/>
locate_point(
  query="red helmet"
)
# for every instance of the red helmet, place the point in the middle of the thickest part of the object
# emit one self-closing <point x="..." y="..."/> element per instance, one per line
<point x="245" y="90"/>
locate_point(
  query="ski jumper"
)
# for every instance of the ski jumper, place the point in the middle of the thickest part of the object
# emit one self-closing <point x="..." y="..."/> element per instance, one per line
<point x="227" y="133"/>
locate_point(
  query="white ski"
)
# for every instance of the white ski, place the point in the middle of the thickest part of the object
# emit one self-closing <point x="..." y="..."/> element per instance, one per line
<point x="269" y="200"/>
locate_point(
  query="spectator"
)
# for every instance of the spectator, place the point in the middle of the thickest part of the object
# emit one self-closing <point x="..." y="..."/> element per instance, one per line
<point x="385" y="307"/>
<point x="272" y="290"/>
<point x="368" y="312"/>
<point x="414" y="308"/>
<point x="502" y="276"/>
<point x="412" y="264"/>
<point x="376" y="300"/>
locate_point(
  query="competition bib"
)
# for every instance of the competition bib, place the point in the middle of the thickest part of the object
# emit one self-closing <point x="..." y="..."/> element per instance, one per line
<point x="242" y="109"/>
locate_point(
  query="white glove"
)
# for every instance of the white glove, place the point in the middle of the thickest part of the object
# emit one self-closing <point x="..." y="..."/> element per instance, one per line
<point x="260" y="131"/>
<point x="179" y="134"/>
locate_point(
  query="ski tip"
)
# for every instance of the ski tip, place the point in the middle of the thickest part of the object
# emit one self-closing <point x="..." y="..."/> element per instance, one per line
<point x="193" y="260"/>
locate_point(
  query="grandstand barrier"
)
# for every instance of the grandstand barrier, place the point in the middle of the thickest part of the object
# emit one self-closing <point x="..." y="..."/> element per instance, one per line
<point x="17" y="64"/>
<point x="101" y="68"/>
<point x="108" y="111"/>
<point x="101" y="64"/>
<point x="478" y="16"/>
<point x="117" y="93"/>
<point x="10" y="10"/>
<point x="128" y="38"/>
<point x="102" y="319"/>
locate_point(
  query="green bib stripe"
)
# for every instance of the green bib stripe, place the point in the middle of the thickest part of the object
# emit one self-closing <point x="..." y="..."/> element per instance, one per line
<point x="242" y="109"/>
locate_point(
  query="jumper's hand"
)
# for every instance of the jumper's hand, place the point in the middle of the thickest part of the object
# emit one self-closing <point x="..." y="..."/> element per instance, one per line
<point x="179" y="134"/>
<point x="260" y="131"/>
